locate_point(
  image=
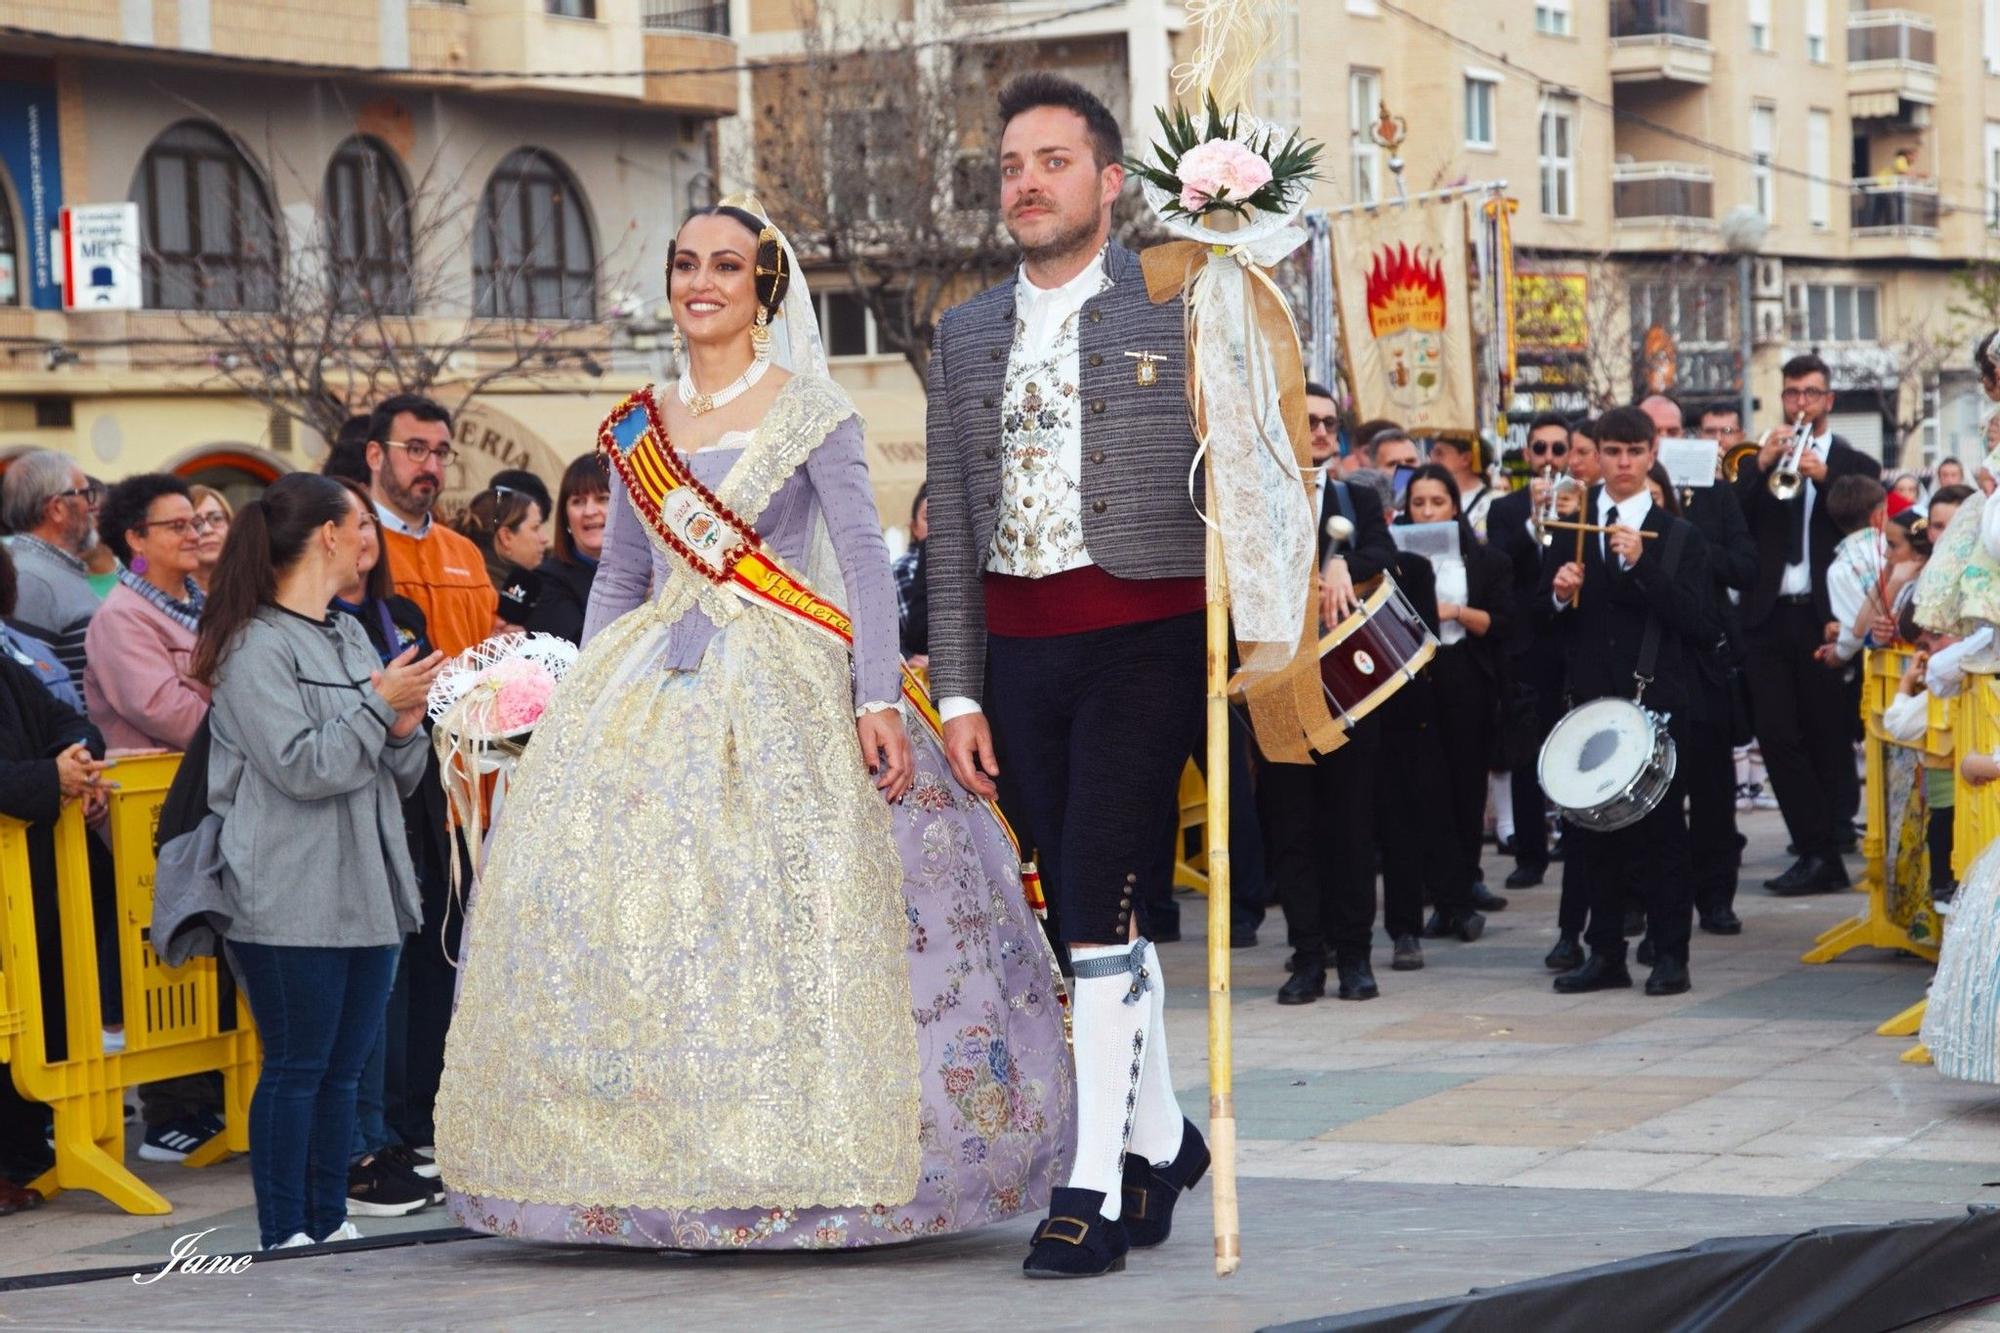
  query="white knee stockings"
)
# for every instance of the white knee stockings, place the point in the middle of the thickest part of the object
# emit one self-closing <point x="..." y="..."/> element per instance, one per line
<point x="1124" y="1089"/>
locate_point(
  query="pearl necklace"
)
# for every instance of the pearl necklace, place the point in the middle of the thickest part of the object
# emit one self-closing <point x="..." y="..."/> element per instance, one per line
<point x="701" y="404"/>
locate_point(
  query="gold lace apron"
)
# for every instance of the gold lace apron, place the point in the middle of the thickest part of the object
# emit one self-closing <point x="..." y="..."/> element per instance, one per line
<point x="684" y="984"/>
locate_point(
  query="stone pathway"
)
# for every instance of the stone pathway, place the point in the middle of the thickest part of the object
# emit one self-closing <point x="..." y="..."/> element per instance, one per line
<point x="1469" y="1127"/>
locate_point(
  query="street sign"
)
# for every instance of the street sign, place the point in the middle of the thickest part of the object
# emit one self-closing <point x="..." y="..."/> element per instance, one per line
<point x="101" y="257"/>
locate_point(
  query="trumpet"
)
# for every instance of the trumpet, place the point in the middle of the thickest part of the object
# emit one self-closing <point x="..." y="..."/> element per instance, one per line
<point x="1785" y="480"/>
<point x="1549" y="512"/>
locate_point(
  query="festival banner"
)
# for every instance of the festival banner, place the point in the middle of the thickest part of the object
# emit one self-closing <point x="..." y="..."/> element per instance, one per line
<point x="1403" y="295"/>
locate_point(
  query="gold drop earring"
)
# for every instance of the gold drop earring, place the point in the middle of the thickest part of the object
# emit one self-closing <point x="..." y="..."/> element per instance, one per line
<point x="760" y="335"/>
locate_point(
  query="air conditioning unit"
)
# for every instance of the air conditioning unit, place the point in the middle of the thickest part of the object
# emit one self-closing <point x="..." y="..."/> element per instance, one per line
<point x="1768" y="322"/>
<point x="1767" y="279"/>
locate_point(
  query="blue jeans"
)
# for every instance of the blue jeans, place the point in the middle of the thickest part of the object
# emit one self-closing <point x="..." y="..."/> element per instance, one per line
<point x="319" y="1014"/>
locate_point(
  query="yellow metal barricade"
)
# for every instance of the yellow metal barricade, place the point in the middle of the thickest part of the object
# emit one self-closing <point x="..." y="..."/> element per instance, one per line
<point x="1191" y="832"/>
<point x="173" y="1023"/>
<point x="1893" y="916"/>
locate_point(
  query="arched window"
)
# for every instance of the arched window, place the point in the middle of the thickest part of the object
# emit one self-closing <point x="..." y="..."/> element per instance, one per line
<point x="532" y="254"/>
<point x="12" y="283"/>
<point x="367" y="211"/>
<point x="205" y="219"/>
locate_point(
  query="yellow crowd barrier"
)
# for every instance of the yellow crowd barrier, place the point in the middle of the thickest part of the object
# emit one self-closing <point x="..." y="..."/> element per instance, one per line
<point x="173" y="1023"/>
<point x="1191" y="832"/>
<point x="1896" y="913"/>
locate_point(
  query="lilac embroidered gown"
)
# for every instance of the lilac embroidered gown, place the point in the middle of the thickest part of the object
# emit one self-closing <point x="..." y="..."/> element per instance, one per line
<point x="717" y="993"/>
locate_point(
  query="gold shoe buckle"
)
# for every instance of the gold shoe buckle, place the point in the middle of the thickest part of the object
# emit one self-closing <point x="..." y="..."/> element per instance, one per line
<point x="1049" y="1232"/>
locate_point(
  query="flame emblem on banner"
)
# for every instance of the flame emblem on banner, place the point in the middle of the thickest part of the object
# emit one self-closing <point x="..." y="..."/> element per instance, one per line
<point x="1405" y="291"/>
<point x="1406" y="314"/>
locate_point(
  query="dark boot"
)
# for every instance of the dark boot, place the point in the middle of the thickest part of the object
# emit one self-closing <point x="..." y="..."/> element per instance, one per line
<point x="1152" y="1191"/>
<point x="1670" y="977"/>
<point x="1567" y="956"/>
<point x="1599" y="972"/>
<point x="1357" y="979"/>
<point x="1307" y="982"/>
<point x="1076" y="1240"/>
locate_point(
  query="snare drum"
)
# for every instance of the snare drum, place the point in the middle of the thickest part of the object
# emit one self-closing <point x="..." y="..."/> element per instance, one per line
<point x="1373" y="653"/>
<point x="1607" y="764"/>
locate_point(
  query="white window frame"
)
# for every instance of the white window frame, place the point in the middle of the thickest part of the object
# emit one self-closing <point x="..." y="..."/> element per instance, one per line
<point x="1552" y="18"/>
<point x="1557" y="169"/>
<point x="1819" y="164"/>
<point x="1836" y="304"/>
<point x="1759" y="14"/>
<point x="1992" y="209"/>
<point x="1482" y="86"/>
<point x="871" y="334"/>
<point x="1364" y="96"/>
<point x="1763" y="148"/>
<point x="1816" y="30"/>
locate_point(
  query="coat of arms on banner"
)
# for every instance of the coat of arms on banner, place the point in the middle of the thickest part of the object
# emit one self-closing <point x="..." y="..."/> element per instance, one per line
<point x="1402" y="289"/>
<point x="1406" y="317"/>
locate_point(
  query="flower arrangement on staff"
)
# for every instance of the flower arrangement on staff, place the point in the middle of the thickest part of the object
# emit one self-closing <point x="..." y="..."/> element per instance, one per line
<point x="1225" y="165"/>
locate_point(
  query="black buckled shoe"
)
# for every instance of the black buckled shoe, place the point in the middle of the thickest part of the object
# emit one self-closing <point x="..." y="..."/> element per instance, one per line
<point x="1075" y="1239"/>
<point x="1152" y="1191"/>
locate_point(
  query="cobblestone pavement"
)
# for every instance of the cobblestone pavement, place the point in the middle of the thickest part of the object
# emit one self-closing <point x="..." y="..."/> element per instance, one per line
<point x="1469" y="1127"/>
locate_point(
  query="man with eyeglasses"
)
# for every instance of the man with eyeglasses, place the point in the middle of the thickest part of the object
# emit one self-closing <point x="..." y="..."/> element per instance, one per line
<point x="51" y="508"/>
<point x="1534" y="657"/>
<point x="409" y="450"/>
<point x="1323" y="420"/>
<point x="1800" y="707"/>
<point x="1721" y="421"/>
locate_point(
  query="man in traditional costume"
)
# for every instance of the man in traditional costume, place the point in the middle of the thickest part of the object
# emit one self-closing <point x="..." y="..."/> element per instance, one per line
<point x="1067" y="632"/>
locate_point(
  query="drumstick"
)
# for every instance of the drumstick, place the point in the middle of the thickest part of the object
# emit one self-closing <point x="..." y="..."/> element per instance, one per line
<point x="1581" y="528"/>
<point x="1577" y="596"/>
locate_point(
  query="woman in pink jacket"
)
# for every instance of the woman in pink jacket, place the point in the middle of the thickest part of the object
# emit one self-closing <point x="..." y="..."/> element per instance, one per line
<point x="135" y="683"/>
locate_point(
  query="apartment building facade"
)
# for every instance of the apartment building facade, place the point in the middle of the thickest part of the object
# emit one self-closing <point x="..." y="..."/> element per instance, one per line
<point x="1857" y="147"/>
<point x="551" y="167"/>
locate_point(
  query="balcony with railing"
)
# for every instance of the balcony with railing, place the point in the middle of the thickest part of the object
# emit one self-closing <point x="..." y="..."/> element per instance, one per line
<point x="1891" y="58"/>
<point x="1894" y="209"/>
<point x="1681" y="192"/>
<point x="1661" y="41"/>
<point x="709" y="16"/>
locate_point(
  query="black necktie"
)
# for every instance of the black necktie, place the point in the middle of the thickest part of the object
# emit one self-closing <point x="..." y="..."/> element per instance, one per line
<point x="1610" y="521"/>
<point x="1795" y="526"/>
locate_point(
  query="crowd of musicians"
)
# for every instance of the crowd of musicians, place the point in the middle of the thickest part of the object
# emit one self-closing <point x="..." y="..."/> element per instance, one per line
<point x="1753" y="647"/>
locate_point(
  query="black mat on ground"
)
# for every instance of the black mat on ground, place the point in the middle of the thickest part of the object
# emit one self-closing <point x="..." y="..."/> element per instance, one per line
<point x="1846" y="1279"/>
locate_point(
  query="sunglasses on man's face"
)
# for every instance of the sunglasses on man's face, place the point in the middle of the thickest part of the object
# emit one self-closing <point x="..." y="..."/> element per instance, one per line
<point x="1327" y="424"/>
<point x="1555" y="447"/>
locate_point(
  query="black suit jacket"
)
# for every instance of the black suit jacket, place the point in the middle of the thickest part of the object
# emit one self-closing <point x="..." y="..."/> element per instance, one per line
<point x="1489" y="587"/>
<point x="1370" y="551"/>
<point x="1507" y="533"/>
<point x="1770" y="526"/>
<point x="1602" y="634"/>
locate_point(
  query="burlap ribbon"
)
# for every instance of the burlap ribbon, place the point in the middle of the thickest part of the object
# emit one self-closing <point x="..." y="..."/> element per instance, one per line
<point x="1288" y="710"/>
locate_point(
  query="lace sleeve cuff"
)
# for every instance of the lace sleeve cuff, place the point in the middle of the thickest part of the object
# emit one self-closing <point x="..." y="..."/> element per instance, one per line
<point x="868" y="708"/>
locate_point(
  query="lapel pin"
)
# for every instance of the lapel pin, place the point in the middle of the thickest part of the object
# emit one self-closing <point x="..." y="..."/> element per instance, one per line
<point x="1148" y="371"/>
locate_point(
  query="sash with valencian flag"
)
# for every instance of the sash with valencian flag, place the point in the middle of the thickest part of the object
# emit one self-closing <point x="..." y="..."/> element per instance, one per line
<point x="718" y="546"/>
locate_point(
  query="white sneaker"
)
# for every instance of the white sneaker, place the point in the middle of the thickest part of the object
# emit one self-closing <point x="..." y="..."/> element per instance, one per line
<point x="345" y="1231"/>
<point x="292" y="1242"/>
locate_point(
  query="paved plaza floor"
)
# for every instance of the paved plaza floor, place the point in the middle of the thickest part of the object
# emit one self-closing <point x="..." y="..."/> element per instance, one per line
<point x="1469" y="1128"/>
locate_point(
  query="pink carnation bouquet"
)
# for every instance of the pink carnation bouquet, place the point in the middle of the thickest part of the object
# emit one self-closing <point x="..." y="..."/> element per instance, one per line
<point x="1219" y="171"/>
<point x="1208" y="164"/>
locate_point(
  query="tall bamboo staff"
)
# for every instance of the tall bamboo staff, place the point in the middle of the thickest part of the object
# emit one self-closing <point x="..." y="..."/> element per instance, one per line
<point x="1221" y="1055"/>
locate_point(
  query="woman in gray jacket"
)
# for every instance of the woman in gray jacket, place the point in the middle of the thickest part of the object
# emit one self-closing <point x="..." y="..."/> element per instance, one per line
<point x="315" y="743"/>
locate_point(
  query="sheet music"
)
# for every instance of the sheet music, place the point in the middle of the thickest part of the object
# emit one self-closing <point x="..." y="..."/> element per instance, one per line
<point x="1689" y="462"/>
<point x="1430" y="540"/>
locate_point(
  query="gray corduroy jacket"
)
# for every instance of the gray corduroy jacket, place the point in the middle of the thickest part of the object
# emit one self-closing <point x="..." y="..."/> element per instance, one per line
<point x="1138" y="445"/>
<point x="309" y="785"/>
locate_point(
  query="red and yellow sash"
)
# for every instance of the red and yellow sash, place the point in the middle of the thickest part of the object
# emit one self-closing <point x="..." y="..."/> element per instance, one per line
<point x="717" y="545"/>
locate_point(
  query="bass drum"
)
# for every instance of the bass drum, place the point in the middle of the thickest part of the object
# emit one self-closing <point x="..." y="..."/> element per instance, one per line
<point x="1607" y="764"/>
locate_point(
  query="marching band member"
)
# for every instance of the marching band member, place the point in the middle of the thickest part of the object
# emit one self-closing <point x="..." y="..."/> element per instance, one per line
<point x="1811" y="763"/>
<point x="1627" y="613"/>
